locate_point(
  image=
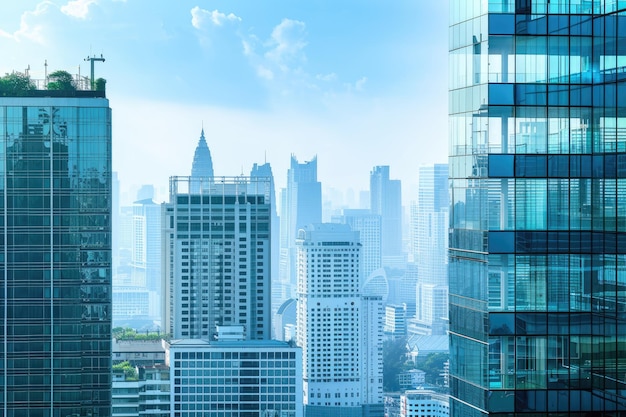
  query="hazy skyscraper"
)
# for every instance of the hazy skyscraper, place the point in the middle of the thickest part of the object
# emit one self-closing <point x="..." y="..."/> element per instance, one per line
<point x="279" y="290"/>
<point x="55" y="295"/>
<point x="432" y="224"/>
<point x="537" y="245"/>
<point x="339" y="328"/>
<point x="369" y="227"/>
<point x="386" y="201"/>
<point x="217" y="266"/>
<point x="202" y="165"/>
<point x="301" y="205"/>
<point x="146" y="250"/>
<point x="432" y="248"/>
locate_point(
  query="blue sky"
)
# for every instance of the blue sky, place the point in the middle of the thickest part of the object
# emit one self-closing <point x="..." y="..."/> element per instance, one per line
<point x="357" y="83"/>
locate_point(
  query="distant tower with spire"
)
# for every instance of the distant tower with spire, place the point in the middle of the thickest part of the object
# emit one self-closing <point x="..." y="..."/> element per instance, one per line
<point x="202" y="164"/>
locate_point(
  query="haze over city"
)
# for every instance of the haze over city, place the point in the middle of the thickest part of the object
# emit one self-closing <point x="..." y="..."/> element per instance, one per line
<point x="358" y="84"/>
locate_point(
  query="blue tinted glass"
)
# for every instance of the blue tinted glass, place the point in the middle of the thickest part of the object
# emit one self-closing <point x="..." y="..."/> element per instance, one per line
<point x="527" y="24"/>
<point x="501" y="24"/>
<point x="558" y="166"/>
<point x="500" y="166"/>
<point x="598" y="166"/>
<point x="530" y="94"/>
<point x="558" y="95"/>
<point x="501" y="242"/>
<point x="621" y="166"/>
<point x="501" y="94"/>
<point x="500" y="324"/>
<point x="610" y="166"/>
<point x="530" y="166"/>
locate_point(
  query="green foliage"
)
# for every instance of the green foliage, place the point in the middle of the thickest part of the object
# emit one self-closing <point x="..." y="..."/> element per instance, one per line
<point x="432" y="364"/>
<point x="130" y="372"/>
<point x="394" y="363"/>
<point x="100" y="84"/>
<point x="125" y="333"/>
<point x="16" y="84"/>
<point x="61" y="80"/>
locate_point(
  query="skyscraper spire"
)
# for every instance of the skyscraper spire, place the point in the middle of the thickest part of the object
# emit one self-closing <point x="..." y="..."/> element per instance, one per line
<point x="202" y="163"/>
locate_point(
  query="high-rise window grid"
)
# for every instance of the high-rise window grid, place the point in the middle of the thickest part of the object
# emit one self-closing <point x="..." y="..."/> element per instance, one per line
<point x="536" y="262"/>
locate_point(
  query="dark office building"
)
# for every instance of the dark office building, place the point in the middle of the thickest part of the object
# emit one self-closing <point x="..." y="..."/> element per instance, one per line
<point x="55" y="256"/>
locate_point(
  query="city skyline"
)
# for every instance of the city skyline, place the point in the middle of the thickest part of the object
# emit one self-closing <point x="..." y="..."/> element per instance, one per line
<point x="341" y="83"/>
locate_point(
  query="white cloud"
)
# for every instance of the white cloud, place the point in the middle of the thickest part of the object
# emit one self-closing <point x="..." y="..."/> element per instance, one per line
<point x="358" y="86"/>
<point x="77" y="8"/>
<point x="200" y="16"/>
<point x="30" y="26"/>
<point x="327" y="77"/>
<point x="287" y="41"/>
<point x="265" y="72"/>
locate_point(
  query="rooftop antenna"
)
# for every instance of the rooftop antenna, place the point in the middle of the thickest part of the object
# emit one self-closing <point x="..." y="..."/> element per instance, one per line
<point x="45" y="78"/>
<point x="265" y="157"/>
<point x="27" y="70"/>
<point x="92" y="59"/>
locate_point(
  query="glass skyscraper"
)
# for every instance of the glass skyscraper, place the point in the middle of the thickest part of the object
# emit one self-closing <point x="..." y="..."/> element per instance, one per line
<point x="55" y="256"/>
<point x="538" y="211"/>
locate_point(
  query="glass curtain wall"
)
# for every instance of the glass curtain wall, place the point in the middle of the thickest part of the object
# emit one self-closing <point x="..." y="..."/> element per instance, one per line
<point x="55" y="255"/>
<point x="538" y="207"/>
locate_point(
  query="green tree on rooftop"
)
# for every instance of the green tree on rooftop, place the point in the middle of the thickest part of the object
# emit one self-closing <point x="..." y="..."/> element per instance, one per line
<point x="61" y="80"/>
<point x="16" y="84"/>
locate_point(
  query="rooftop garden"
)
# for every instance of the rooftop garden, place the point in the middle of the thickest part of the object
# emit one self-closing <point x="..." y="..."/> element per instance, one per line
<point x="125" y="333"/>
<point x="57" y="84"/>
<point x="130" y="372"/>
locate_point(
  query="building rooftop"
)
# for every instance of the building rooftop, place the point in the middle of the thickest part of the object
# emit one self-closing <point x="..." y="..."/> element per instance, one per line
<point x="429" y="343"/>
<point x="229" y="344"/>
<point x="130" y="346"/>
<point x="58" y="84"/>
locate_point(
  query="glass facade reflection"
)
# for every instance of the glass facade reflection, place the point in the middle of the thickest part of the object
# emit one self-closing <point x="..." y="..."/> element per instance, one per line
<point x="55" y="278"/>
<point x="538" y="212"/>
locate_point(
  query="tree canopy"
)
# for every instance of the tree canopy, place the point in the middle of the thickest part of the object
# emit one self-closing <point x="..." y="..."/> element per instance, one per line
<point x="394" y="363"/>
<point x="432" y="364"/>
<point x="61" y="80"/>
<point x="130" y="372"/>
<point x="126" y="333"/>
<point x="16" y="84"/>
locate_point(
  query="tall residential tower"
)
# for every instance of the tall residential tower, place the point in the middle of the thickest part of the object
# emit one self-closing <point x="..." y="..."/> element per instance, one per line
<point x="538" y="212"/>
<point x="339" y="328"/>
<point x="217" y="257"/>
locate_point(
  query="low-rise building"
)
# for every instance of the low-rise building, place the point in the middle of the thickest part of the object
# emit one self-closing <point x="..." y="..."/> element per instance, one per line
<point x="412" y="378"/>
<point x="421" y="403"/>
<point x="140" y="391"/>
<point x="138" y="352"/>
<point x="238" y="378"/>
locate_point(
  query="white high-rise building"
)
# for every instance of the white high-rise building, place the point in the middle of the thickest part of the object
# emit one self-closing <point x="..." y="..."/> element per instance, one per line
<point x="339" y="329"/>
<point x="431" y="218"/>
<point x="217" y="256"/>
<point x="432" y="224"/>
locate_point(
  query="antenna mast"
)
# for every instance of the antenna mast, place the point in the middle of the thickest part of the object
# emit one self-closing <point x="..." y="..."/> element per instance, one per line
<point x="92" y="59"/>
